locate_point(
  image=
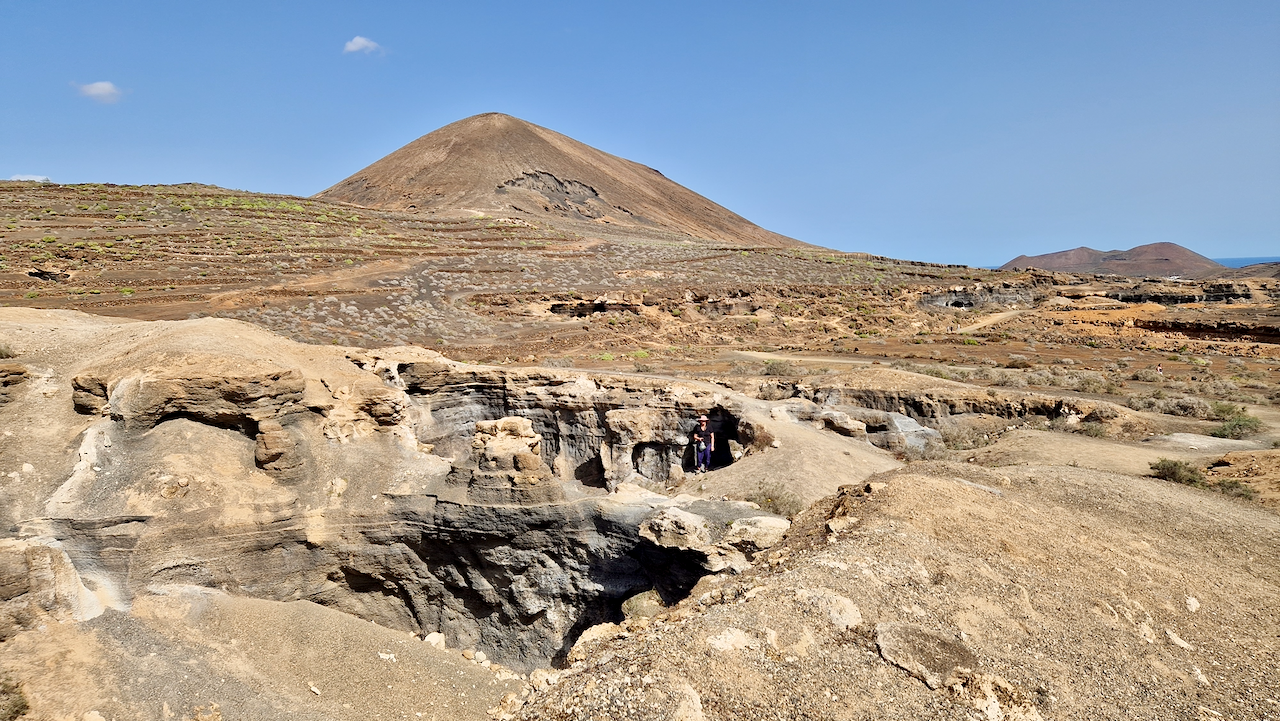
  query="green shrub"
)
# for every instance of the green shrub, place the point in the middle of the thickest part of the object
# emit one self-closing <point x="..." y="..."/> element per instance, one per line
<point x="1177" y="471"/>
<point x="1220" y="411"/>
<point x="1237" y="427"/>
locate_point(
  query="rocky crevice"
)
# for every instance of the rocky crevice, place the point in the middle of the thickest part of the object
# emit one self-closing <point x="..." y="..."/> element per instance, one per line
<point x="421" y="494"/>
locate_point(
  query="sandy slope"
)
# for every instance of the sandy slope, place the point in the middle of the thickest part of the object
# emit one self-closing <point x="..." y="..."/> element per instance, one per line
<point x="1082" y="595"/>
<point x="197" y="651"/>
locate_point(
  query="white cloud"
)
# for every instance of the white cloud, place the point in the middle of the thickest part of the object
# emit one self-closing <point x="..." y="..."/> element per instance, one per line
<point x="40" y="178"/>
<point x="360" y="44"/>
<point x="102" y="91"/>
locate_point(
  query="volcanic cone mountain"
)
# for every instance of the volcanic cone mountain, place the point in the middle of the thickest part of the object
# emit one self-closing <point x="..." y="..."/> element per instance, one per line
<point x="1159" y="259"/>
<point x="497" y="164"/>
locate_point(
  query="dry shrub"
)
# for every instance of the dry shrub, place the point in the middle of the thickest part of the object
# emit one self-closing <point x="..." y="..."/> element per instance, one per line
<point x="930" y="452"/>
<point x="1177" y="471"/>
<point x="1146" y="375"/>
<point x="779" y="368"/>
<point x="13" y="703"/>
<point x="1084" y="428"/>
<point x="1093" y="430"/>
<point x="776" y="498"/>
<point x="1018" y="361"/>
<point x="1235" y="488"/>
<point x="967" y="434"/>
<point x="1176" y="406"/>
<point x="1220" y="411"/>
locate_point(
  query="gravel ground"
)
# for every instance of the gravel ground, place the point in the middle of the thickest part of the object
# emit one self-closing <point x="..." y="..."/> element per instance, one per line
<point x="1081" y="594"/>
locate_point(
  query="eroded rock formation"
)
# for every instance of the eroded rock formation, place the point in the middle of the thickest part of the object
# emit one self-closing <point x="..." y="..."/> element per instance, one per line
<point x="498" y="508"/>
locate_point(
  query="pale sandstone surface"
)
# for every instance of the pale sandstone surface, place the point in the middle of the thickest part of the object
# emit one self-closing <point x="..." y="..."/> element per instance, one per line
<point x="194" y="650"/>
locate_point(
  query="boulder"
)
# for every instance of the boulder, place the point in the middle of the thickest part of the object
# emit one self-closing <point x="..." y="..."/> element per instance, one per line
<point x="756" y="533"/>
<point x="506" y="466"/>
<point x="895" y="432"/>
<point x="675" y="528"/>
<point x="643" y="605"/>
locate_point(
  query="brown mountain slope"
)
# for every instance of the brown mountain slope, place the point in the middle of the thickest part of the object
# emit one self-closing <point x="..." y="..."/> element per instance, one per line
<point x="494" y="163"/>
<point x="1158" y="259"/>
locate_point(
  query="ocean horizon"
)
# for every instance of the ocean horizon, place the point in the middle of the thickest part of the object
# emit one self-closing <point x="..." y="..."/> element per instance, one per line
<point x="1242" y="262"/>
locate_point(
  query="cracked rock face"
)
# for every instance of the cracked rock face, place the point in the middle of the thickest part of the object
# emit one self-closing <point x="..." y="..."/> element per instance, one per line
<point x="496" y="508"/>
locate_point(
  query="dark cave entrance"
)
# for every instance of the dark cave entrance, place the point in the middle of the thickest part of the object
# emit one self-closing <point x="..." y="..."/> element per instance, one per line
<point x="724" y="426"/>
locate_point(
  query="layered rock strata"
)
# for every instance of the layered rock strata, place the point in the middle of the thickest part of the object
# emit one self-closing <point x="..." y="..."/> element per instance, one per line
<point x="498" y="508"/>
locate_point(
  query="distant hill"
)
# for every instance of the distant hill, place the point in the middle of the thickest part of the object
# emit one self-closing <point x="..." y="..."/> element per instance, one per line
<point x="1154" y="259"/>
<point x="494" y="163"/>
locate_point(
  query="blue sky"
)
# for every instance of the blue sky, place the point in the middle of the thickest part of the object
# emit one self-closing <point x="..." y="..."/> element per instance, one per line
<point x="948" y="131"/>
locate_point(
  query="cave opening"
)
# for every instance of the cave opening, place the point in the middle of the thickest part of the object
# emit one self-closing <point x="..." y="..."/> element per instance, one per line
<point x="724" y="427"/>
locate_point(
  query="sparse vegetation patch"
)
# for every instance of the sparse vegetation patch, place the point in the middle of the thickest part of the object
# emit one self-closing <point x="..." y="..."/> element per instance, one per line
<point x="1177" y="471"/>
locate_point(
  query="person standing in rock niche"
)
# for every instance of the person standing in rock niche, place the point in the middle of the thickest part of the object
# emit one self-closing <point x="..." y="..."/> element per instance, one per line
<point x="704" y="442"/>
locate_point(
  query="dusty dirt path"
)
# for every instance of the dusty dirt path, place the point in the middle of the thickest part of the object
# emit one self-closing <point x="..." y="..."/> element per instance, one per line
<point x="990" y="320"/>
<point x="758" y="355"/>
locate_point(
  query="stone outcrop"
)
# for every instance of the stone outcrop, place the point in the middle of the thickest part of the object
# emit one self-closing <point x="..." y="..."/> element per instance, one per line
<point x="11" y="374"/>
<point x="896" y="432"/>
<point x="802" y="410"/>
<point x="979" y="294"/>
<point x="497" y="508"/>
<point x="1167" y="292"/>
<point x="506" y="466"/>
<point x="928" y="405"/>
<point x="601" y="431"/>
<point x="39" y="583"/>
